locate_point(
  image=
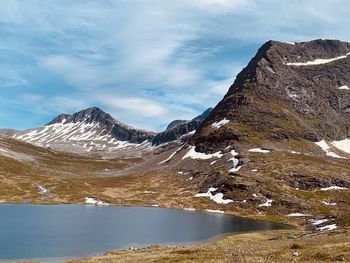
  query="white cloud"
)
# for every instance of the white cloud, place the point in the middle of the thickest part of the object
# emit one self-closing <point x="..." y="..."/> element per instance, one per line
<point x="132" y="105"/>
<point x="74" y="71"/>
<point x="29" y="97"/>
<point x="11" y="78"/>
<point x="222" y="4"/>
<point x="187" y="50"/>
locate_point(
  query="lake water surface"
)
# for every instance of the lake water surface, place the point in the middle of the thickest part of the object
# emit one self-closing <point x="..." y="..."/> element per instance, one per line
<point x="50" y="232"/>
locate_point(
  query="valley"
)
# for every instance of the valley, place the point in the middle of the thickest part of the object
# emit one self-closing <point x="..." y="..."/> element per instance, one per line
<point x="276" y="148"/>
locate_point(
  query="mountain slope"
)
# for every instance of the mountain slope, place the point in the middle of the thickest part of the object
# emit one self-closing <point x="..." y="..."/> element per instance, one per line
<point x="288" y="92"/>
<point x="277" y="144"/>
<point x="179" y="128"/>
<point x="88" y="130"/>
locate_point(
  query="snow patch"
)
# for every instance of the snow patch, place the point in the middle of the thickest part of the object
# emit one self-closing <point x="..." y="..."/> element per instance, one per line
<point x="215" y="211"/>
<point x="42" y="190"/>
<point x="168" y="159"/>
<point x="326" y="148"/>
<point x="93" y="201"/>
<point x="213" y="162"/>
<point x="235" y="161"/>
<point x="298" y="215"/>
<point x="318" y="61"/>
<point x="344" y="88"/>
<point x="258" y="150"/>
<point x="217" y="198"/>
<point x="329" y="203"/>
<point x="172" y="155"/>
<point x="198" y="155"/>
<point x="343" y="145"/>
<point x="190" y="209"/>
<point x="317" y="222"/>
<point x="333" y="187"/>
<point x="267" y="203"/>
<point x="219" y="124"/>
<point x="327" y="227"/>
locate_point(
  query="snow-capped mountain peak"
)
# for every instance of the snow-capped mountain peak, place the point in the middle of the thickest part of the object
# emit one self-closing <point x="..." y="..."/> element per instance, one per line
<point x="88" y="130"/>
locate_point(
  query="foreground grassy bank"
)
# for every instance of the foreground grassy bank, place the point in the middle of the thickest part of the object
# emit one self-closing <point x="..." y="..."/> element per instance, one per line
<point x="272" y="246"/>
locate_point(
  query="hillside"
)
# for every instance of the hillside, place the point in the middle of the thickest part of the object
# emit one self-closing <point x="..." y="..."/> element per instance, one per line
<point x="277" y="144"/>
<point x="288" y="93"/>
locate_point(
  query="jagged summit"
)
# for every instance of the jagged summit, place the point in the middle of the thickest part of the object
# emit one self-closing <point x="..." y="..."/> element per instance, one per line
<point x="287" y="92"/>
<point x="93" y="114"/>
<point x="89" y="115"/>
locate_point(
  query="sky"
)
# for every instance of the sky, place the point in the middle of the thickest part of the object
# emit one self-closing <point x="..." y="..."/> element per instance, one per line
<point x="147" y="62"/>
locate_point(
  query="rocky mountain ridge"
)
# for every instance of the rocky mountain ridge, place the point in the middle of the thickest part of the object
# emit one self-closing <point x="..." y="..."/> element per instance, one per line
<point x="93" y="130"/>
<point x="179" y="128"/>
<point x="288" y="91"/>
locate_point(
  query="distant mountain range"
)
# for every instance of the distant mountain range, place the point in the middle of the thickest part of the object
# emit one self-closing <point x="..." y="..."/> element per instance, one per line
<point x="93" y="129"/>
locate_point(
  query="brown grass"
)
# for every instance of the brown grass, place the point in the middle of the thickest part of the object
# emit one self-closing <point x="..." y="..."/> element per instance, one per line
<point x="264" y="247"/>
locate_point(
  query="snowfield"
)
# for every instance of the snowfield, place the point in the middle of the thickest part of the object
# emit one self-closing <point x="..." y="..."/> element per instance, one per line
<point x="198" y="155"/>
<point x="217" y="198"/>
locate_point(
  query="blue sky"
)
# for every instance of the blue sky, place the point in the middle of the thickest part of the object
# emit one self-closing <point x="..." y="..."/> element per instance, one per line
<point x="146" y="62"/>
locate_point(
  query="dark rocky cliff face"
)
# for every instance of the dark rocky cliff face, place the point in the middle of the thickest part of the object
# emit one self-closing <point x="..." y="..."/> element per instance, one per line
<point x="60" y="118"/>
<point x="178" y="128"/>
<point x="274" y="99"/>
